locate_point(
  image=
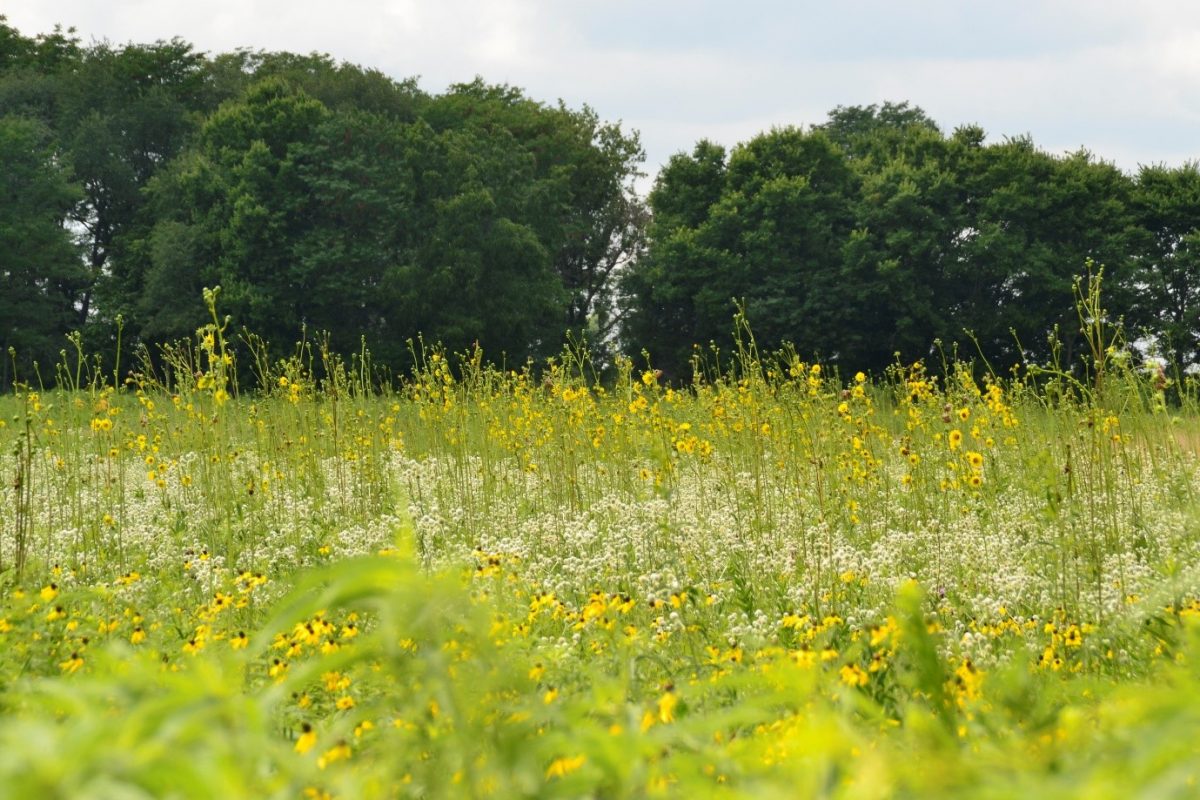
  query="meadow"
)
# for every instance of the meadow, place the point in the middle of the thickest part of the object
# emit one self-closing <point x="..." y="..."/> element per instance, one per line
<point x="780" y="581"/>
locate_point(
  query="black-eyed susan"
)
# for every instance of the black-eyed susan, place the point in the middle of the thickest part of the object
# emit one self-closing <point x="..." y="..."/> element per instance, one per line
<point x="854" y="675"/>
<point x="1072" y="636"/>
<point x="306" y="740"/>
<point x="72" y="664"/>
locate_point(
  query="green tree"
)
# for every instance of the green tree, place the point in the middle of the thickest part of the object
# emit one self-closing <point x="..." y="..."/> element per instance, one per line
<point x="902" y="261"/>
<point x="356" y="223"/>
<point x="877" y="131"/>
<point x="1035" y="220"/>
<point x="575" y="189"/>
<point x="339" y="86"/>
<point x="47" y="52"/>
<point x="229" y="213"/>
<point x="875" y="234"/>
<point x="118" y="114"/>
<point x="658" y="291"/>
<point x="772" y="236"/>
<point x="123" y="114"/>
<point x="41" y="276"/>
<point x="15" y="49"/>
<point x="1165" y="284"/>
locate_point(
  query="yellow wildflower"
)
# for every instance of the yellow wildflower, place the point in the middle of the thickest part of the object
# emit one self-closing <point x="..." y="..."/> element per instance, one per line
<point x="560" y="767"/>
<point x="308" y="738"/>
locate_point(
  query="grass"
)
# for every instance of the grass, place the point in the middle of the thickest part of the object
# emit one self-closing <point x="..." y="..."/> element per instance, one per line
<point x="781" y="582"/>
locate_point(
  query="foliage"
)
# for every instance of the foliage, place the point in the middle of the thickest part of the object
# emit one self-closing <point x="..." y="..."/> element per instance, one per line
<point x="904" y="237"/>
<point x="331" y="200"/>
<point x="1167" y="278"/>
<point x="326" y="196"/>
<point x="40" y="273"/>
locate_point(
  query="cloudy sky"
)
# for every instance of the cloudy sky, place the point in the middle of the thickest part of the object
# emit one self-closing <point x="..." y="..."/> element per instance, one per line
<point x="1119" y="78"/>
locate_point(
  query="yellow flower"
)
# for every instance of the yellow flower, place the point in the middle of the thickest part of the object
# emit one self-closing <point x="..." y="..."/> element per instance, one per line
<point x="853" y="675"/>
<point x="335" y="681"/>
<point x="308" y="738"/>
<point x="345" y="702"/>
<point x="72" y="664"/>
<point x="666" y="707"/>
<point x="794" y="621"/>
<point x="239" y="641"/>
<point x="565" y="766"/>
<point x="955" y="439"/>
<point x="339" y="752"/>
<point x="967" y="680"/>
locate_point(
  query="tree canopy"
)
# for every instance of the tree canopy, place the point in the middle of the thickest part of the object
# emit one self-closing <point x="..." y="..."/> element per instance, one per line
<point x="326" y="196"/>
<point x="875" y="236"/>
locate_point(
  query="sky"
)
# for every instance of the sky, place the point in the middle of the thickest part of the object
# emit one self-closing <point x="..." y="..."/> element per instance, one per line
<point x="1120" y="79"/>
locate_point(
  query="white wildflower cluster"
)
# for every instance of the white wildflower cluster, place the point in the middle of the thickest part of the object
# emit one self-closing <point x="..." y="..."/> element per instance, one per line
<point x="975" y="559"/>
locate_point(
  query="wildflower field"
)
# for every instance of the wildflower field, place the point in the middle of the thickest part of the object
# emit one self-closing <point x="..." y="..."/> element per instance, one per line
<point x="778" y="582"/>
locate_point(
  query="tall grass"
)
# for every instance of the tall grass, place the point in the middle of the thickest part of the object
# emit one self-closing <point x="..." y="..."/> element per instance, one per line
<point x="778" y="581"/>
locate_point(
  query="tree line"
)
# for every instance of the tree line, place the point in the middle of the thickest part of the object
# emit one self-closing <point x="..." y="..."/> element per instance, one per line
<point x="324" y="196"/>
